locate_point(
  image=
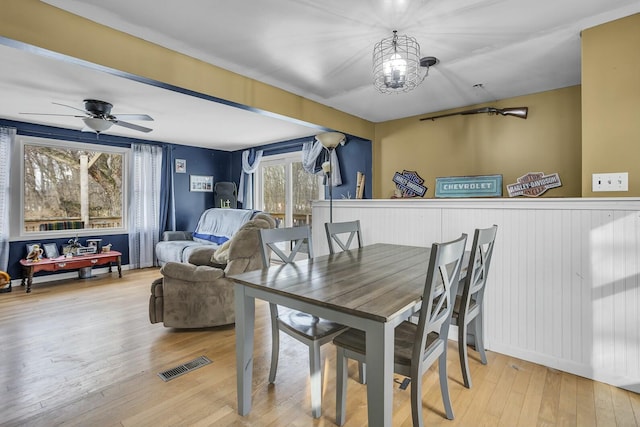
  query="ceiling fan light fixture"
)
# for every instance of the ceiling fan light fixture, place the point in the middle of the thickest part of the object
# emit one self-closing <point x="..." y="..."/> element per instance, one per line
<point x="397" y="66"/>
<point x="96" y="124"/>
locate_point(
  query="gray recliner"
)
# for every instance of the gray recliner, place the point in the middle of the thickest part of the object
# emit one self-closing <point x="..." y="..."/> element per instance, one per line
<point x="198" y="296"/>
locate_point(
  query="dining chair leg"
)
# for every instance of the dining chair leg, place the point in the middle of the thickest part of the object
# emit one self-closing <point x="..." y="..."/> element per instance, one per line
<point x="362" y="372"/>
<point x="463" y="353"/>
<point x="416" y="401"/>
<point x="275" y="343"/>
<point x="480" y="337"/>
<point x="315" y="368"/>
<point x="341" y="386"/>
<point x="444" y="385"/>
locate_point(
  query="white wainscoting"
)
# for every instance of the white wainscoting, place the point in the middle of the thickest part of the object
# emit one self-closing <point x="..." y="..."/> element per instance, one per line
<point x="564" y="285"/>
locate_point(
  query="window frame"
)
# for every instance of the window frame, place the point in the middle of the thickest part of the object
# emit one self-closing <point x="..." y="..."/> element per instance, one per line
<point x="17" y="229"/>
<point x="278" y="159"/>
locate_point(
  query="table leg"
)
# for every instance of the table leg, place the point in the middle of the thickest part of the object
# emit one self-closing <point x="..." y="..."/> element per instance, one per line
<point x="245" y="319"/>
<point x="379" y="363"/>
<point x="119" y="267"/>
<point x="28" y="271"/>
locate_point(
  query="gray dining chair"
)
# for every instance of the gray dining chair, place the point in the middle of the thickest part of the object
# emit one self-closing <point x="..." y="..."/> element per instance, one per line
<point x="337" y="232"/>
<point x="310" y="330"/>
<point x="416" y="346"/>
<point x="468" y="311"/>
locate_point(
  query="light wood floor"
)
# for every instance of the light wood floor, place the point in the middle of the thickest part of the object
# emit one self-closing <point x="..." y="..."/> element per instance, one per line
<point x="83" y="353"/>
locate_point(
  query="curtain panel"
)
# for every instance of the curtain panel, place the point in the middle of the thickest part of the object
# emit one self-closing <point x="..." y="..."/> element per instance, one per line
<point x="245" y="193"/>
<point x="144" y="206"/>
<point x="7" y="137"/>
<point x="314" y="154"/>
<point x="167" y="193"/>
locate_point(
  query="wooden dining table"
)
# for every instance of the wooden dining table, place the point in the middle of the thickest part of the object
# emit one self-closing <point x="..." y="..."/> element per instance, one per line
<point x="373" y="289"/>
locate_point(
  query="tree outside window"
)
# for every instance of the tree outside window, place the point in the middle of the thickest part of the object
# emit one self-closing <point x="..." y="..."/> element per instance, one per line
<point x="286" y="190"/>
<point x="72" y="187"/>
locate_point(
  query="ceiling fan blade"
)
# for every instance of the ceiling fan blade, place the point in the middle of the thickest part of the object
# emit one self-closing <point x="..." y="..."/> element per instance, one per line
<point x="77" y="109"/>
<point x="50" y="114"/>
<point x="131" y="126"/>
<point x="144" y="117"/>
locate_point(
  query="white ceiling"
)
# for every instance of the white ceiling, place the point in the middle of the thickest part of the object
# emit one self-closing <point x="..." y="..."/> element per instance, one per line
<point x="318" y="49"/>
<point x="30" y="83"/>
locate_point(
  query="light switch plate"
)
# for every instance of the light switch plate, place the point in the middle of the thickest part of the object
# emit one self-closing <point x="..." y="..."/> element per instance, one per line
<point x="617" y="181"/>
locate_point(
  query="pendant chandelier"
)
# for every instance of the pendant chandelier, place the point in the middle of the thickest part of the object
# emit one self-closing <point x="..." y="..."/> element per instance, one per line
<point x="397" y="64"/>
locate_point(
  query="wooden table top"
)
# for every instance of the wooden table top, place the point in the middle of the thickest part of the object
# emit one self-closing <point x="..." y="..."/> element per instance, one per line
<point x="378" y="282"/>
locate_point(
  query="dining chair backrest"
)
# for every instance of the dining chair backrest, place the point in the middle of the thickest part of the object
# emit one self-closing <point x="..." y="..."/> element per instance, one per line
<point x="337" y="231"/>
<point x="478" y="267"/>
<point x="440" y="287"/>
<point x="297" y="238"/>
<point x="306" y="328"/>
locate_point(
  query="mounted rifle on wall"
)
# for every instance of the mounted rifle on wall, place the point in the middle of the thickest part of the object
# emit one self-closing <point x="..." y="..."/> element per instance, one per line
<point x="520" y="112"/>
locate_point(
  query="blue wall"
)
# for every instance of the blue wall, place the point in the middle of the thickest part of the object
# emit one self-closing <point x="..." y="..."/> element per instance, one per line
<point x="355" y="155"/>
<point x="200" y="161"/>
<point x="189" y="205"/>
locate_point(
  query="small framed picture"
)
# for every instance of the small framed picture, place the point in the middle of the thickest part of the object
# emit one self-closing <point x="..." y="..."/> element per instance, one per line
<point x="181" y="166"/>
<point x="30" y="247"/>
<point x="201" y="183"/>
<point x="51" y="250"/>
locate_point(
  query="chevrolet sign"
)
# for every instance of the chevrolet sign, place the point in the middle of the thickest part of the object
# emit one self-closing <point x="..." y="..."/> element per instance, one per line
<point x="469" y="186"/>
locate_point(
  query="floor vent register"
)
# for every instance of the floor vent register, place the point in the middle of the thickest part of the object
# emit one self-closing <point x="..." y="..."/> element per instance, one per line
<point x="172" y="373"/>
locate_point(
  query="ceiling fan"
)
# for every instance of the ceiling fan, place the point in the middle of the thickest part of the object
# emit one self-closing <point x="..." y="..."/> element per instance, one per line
<point x="97" y="117"/>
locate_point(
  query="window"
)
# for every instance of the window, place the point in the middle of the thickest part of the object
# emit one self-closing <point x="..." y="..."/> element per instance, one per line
<point x="285" y="190"/>
<point x="68" y="188"/>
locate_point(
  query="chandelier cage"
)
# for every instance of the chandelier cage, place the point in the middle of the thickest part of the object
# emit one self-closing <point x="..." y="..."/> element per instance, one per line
<point x="397" y="65"/>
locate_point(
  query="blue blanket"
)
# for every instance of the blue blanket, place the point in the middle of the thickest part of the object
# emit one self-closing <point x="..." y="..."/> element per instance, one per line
<point x="218" y="225"/>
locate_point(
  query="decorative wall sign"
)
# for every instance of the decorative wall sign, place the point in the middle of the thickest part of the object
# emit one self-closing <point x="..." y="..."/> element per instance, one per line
<point x="533" y="184"/>
<point x="469" y="186"/>
<point x="181" y="166"/>
<point x="409" y="184"/>
<point x="201" y="183"/>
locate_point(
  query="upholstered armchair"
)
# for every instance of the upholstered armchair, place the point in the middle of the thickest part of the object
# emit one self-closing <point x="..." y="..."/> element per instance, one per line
<point x="197" y="296"/>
